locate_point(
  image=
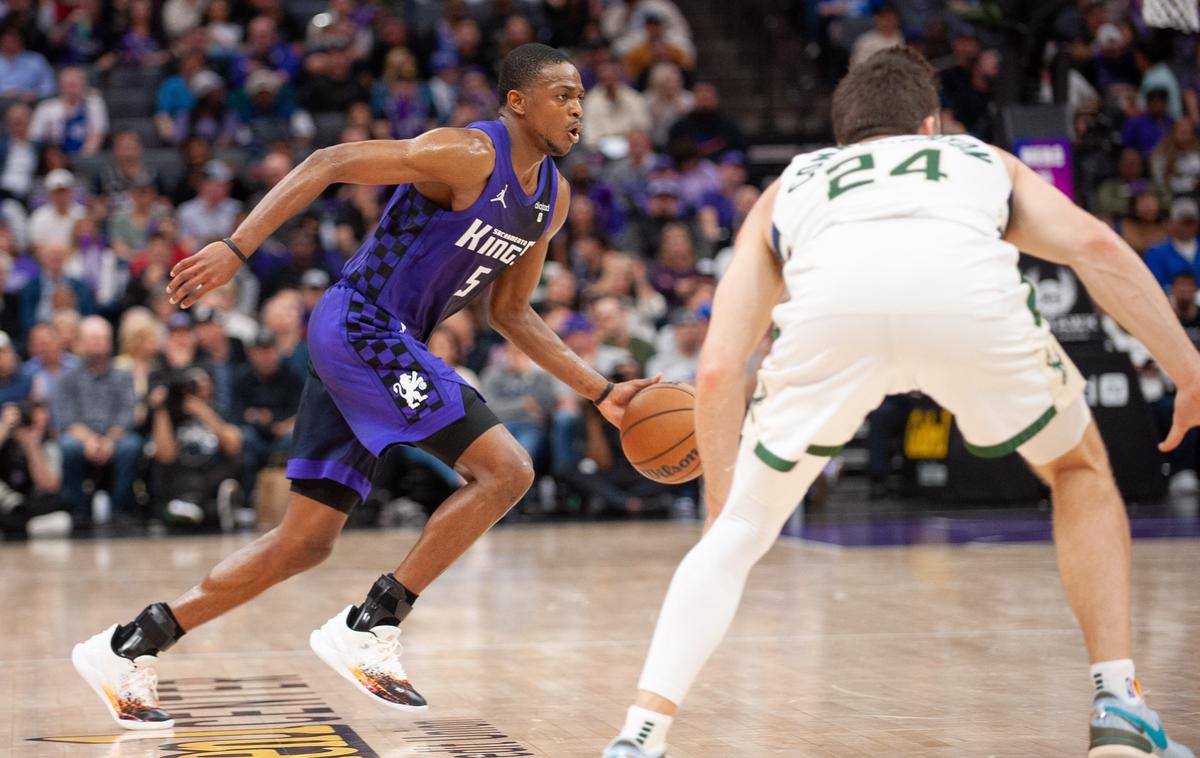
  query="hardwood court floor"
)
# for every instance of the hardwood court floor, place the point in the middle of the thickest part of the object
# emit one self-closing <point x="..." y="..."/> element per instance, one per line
<point x="532" y="644"/>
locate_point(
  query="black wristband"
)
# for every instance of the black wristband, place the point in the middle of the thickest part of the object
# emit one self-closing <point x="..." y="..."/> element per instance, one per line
<point x="607" y="391"/>
<point x="235" y="249"/>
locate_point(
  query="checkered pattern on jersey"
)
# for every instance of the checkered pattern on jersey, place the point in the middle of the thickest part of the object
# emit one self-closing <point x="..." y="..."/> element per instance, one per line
<point x="390" y="242"/>
<point x="377" y="339"/>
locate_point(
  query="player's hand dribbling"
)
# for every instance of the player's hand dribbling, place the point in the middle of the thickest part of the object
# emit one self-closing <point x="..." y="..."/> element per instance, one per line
<point x="201" y="273"/>
<point x="613" y="407"/>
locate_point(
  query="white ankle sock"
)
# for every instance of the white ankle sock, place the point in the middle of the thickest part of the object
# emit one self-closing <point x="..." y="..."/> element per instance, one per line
<point x="648" y="729"/>
<point x="1117" y="678"/>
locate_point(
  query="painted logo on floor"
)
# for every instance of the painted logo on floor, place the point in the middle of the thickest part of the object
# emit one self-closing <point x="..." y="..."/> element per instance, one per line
<point x="280" y="716"/>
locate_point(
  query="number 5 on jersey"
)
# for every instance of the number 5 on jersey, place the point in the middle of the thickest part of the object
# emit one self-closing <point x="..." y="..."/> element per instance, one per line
<point x="473" y="281"/>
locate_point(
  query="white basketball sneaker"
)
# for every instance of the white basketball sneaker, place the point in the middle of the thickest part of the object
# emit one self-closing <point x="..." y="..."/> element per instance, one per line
<point x="368" y="660"/>
<point x="129" y="689"/>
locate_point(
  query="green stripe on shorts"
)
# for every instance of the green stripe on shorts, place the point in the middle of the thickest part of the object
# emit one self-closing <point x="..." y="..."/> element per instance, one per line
<point x="772" y="460"/>
<point x="1011" y="444"/>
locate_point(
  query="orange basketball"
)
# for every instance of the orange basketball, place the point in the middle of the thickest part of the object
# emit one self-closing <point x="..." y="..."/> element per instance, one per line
<point x="658" y="433"/>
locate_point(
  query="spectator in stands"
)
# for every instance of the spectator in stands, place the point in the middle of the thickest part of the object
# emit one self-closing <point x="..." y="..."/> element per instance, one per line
<point x="674" y="274"/>
<point x="18" y="155"/>
<point x="54" y="221"/>
<point x="612" y="108"/>
<point x="142" y="40"/>
<point x="224" y="36"/>
<point x="397" y="98"/>
<point x="283" y="316"/>
<point x="48" y="359"/>
<point x="1144" y="225"/>
<point x="1155" y="73"/>
<point x="333" y="84"/>
<point x="178" y="16"/>
<point x="264" y="52"/>
<point x="25" y="75"/>
<point x="709" y="127"/>
<point x="139" y="339"/>
<point x="628" y="175"/>
<point x="30" y="465"/>
<point x="1183" y="301"/>
<point x="1116" y="192"/>
<point x="523" y="397"/>
<point x="666" y="99"/>
<point x="85" y="36"/>
<point x="93" y="409"/>
<point x="195" y="449"/>
<point x="1175" y="162"/>
<point x="1144" y="130"/>
<point x="15" y="384"/>
<point x="43" y="295"/>
<point x="624" y="277"/>
<point x="625" y="24"/>
<point x="662" y="206"/>
<point x="222" y="355"/>
<point x="95" y="264"/>
<point x="265" y="396"/>
<point x="655" y="47"/>
<point x="974" y="106"/>
<point x="210" y="119"/>
<point x="211" y="215"/>
<point x="129" y="228"/>
<point x="1114" y="61"/>
<point x="886" y="32"/>
<point x="697" y="176"/>
<point x="443" y="88"/>
<point x="612" y="318"/>
<point x="175" y="98"/>
<point x="679" y="348"/>
<point x="76" y="120"/>
<point x="1176" y="254"/>
<point x="10" y="305"/>
<point x="269" y="112"/>
<point x="149" y="271"/>
<point x="116" y="179"/>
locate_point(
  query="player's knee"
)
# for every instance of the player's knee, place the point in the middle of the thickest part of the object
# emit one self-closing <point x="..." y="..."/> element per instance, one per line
<point x="511" y="475"/>
<point x="1087" y="459"/>
<point x="301" y="552"/>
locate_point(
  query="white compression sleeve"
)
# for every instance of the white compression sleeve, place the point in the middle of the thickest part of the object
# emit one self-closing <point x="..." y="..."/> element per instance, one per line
<point x="708" y="584"/>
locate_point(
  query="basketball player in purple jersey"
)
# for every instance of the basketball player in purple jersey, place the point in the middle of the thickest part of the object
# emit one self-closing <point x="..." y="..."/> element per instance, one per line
<point x="475" y="207"/>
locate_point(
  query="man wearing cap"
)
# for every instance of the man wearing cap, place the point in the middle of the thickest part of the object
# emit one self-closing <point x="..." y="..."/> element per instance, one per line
<point x="266" y="395"/>
<point x="76" y="120"/>
<point x="54" y="221"/>
<point x="1177" y="253"/>
<point x="212" y="213"/>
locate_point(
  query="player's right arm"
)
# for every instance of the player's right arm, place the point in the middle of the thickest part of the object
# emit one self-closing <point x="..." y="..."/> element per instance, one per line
<point x="741" y="315"/>
<point x="460" y="159"/>
<point x="1046" y="224"/>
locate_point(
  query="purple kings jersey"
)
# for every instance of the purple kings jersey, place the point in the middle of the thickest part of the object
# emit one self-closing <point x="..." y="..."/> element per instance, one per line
<point x="423" y="263"/>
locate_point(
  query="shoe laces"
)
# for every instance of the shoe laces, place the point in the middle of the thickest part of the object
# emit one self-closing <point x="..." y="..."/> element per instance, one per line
<point x="382" y="653"/>
<point x="141" y="683"/>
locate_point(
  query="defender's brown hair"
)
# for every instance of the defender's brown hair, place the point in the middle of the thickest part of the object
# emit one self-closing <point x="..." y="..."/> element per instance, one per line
<point x="890" y="93"/>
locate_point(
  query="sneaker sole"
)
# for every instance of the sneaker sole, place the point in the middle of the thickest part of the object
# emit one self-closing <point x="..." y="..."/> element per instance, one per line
<point x="1117" y="751"/>
<point x="93" y="678"/>
<point x="316" y="641"/>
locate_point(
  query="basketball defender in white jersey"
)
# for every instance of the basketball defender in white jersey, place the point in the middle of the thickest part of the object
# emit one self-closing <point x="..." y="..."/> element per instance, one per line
<point x="898" y="252"/>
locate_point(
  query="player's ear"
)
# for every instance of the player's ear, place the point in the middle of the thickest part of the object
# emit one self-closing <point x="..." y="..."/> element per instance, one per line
<point x="930" y="126"/>
<point x="515" y="101"/>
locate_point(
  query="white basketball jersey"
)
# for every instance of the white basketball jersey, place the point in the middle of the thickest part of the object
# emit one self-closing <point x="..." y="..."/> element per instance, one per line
<point x="908" y="223"/>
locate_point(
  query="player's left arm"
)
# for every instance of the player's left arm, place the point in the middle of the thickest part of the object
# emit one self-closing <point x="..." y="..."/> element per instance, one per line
<point x="741" y="315"/>
<point x="513" y="316"/>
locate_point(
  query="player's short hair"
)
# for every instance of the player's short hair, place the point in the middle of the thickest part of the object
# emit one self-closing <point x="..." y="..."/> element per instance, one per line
<point x="890" y="93"/>
<point x="524" y="65"/>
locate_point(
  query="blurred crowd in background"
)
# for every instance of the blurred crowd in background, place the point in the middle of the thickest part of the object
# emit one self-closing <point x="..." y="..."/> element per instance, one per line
<point x="136" y="131"/>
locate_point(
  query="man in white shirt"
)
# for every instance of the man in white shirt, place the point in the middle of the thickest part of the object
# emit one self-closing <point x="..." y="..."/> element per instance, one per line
<point x="76" y="120"/>
<point x="211" y="215"/>
<point x="18" y="154"/>
<point x="55" y="221"/>
<point x="612" y="108"/>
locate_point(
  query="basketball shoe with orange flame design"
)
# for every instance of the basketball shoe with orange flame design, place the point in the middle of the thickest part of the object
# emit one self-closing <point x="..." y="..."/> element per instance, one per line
<point x="368" y="660"/>
<point x="128" y="688"/>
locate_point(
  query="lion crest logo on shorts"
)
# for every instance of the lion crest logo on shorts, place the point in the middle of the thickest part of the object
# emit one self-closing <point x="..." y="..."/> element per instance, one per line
<point x="409" y="389"/>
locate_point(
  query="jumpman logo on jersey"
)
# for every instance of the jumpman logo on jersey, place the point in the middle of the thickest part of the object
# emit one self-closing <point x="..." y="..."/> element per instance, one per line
<point x="499" y="198"/>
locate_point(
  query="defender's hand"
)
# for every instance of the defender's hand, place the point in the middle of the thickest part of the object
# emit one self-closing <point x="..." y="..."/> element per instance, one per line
<point x="1187" y="416"/>
<point x="201" y="273"/>
<point x="613" y="407"/>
